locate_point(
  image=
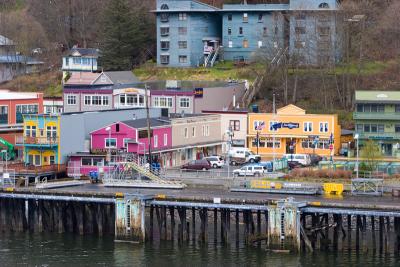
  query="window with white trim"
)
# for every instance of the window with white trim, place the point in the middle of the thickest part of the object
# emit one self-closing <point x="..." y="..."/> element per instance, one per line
<point x="126" y="140"/>
<point x="155" y="140"/>
<point x="186" y="132"/>
<point x="71" y="99"/>
<point x="163" y="102"/>
<point x="206" y="130"/>
<point x="193" y="131"/>
<point x="183" y="59"/>
<point x="110" y="143"/>
<point x="230" y="44"/>
<point x="184" y="102"/>
<point x="165" y="139"/>
<point x="323" y="127"/>
<point x="87" y="100"/>
<point x="308" y="126"/>
<point x="182" y="16"/>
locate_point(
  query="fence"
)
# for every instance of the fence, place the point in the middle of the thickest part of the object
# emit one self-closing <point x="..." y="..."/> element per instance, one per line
<point x="382" y="168"/>
<point x="7" y="177"/>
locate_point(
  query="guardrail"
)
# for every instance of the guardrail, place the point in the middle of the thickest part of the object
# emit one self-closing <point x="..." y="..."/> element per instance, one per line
<point x="188" y="174"/>
<point x="29" y="140"/>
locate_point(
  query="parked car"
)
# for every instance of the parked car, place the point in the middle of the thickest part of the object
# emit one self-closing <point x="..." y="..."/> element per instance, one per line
<point x="245" y="154"/>
<point x="201" y="164"/>
<point x="249" y="170"/>
<point x="267" y="165"/>
<point x="294" y="165"/>
<point x="215" y="161"/>
<point x="315" y="159"/>
<point x="303" y="159"/>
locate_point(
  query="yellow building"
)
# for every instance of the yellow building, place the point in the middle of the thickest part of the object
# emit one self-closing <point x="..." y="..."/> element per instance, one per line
<point x="295" y="132"/>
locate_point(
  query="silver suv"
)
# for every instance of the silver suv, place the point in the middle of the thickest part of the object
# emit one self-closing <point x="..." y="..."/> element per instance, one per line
<point x="215" y="161"/>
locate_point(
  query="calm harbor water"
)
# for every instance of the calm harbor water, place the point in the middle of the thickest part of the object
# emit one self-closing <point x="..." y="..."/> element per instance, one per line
<point x="24" y="249"/>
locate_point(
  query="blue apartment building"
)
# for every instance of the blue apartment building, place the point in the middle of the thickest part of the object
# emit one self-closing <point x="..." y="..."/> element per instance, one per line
<point x="191" y="33"/>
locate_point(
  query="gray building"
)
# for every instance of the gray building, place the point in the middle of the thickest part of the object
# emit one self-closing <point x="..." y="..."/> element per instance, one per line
<point x="75" y="127"/>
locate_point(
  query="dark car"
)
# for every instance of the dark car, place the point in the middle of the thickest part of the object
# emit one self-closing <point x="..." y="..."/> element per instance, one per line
<point x="200" y="164"/>
<point x="294" y="165"/>
<point x="315" y="159"/>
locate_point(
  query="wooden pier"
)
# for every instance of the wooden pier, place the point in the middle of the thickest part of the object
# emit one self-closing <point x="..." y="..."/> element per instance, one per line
<point x="277" y="225"/>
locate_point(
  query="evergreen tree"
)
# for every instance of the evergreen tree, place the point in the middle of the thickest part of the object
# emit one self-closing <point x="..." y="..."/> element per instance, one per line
<point x="123" y="35"/>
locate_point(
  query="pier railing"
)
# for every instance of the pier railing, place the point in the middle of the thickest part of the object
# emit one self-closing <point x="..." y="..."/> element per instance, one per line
<point x="31" y="169"/>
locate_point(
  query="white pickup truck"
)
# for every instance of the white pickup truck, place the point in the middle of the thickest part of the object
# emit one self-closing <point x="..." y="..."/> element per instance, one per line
<point x="242" y="155"/>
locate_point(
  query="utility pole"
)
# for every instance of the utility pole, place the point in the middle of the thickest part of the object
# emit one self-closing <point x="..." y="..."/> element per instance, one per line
<point x="148" y="125"/>
<point x="258" y="140"/>
<point x="273" y="132"/>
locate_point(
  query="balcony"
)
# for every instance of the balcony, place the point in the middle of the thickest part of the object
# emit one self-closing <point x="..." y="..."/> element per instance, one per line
<point x="380" y="136"/>
<point x="376" y="116"/>
<point x="37" y="141"/>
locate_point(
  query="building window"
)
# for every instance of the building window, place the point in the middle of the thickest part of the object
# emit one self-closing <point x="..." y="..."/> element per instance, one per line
<point x="300" y="30"/>
<point x="324" y="31"/>
<point x="193" y="131"/>
<point x="164" y="17"/>
<point x="88" y="100"/>
<point x="245" y="43"/>
<point x="182" y="59"/>
<point x="182" y="44"/>
<point x="96" y="100"/>
<point x="30" y="131"/>
<point x="229" y="17"/>
<point x="25" y="109"/>
<point x="397" y="108"/>
<point x="182" y="30"/>
<point x="308" y="126"/>
<point x="265" y="31"/>
<point x="165" y="139"/>
<point x="323" y="144"/>
<point x="359" y="128"/>
<point x="269" y="142"/>
<point x="184" y="102"/>
<point x="77" y="60"/>
<point x="206" y="130"/>
<point x="110" y="142"/>
<point x="71" y="99"/>
<point x="143" y="134"/>
<point x="164" y="31"/>
<point x="397" y="128"/>
<point x="105" y="100"/>
<point x="240" y="30"/>
<point x="229" y="30"/>
<point x="323" y="127"/>
<point x="164" y="45"/>
<point x="245" y="17"/>
<point x="155" y="141"/>
<point x="182" y="16"/>
<point x="260" y="17"/>
<point x="234" y="125"/>
<point x="323" y="5"/>
<point x="299" y="44"/>
<point x="164" y="59"/>
<point x="186" y="132"/>
<point x="367" y="128"/>
<point x="162" y="102"/>
<point x="260" y="44"/>
<point x="3" y="114"/>
<point x="371" y="108"/>
<point x="230" y="44"/>
<point x="271" y="126"/>
<point x="51" y="132"/>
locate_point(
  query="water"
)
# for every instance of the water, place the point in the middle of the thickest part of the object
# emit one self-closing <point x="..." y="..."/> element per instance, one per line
<point x="24" y="249"/>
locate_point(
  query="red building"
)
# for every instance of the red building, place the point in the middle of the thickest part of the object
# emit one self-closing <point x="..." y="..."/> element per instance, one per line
<point x="13" y="105"/>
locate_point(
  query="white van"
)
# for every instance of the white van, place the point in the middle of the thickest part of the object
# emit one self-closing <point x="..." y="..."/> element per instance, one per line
<point x="249" y="170"/>
<point x="303" y="159"/>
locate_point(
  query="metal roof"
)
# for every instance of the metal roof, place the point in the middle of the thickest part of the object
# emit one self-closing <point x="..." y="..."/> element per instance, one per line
<point x="142" y="123"/>
<point x="378" y="96"/>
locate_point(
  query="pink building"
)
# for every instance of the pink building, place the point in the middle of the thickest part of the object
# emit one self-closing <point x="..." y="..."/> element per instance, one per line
<point x="132" y="136"/>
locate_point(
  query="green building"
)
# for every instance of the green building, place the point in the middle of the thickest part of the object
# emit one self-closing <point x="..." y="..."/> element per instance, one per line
<point x="377" y="117"/>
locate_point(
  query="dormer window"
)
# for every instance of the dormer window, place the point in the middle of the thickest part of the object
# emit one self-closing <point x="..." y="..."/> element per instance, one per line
<point x="323" y="5"/>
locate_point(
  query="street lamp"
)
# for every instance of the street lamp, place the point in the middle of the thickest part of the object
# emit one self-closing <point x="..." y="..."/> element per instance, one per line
<point x="108" y="129"/>
<point x="357" y="136"/>
<point x="229" y="132"/>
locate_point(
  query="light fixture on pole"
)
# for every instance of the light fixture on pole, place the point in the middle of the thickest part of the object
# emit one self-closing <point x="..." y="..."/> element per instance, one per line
<point x="229" y="132"/>
<point x="357" y="136"/>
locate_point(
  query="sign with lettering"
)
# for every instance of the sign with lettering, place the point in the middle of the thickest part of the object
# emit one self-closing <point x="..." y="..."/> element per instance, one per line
<point x="289" y="125"/>
<point x="198" y="92"/>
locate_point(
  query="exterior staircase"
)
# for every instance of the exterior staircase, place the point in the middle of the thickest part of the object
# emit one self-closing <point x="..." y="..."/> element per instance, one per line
<point x="212" y="58"/>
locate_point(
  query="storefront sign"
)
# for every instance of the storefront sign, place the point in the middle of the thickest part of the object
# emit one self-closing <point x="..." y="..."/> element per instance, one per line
<point x="239" y="143"/>
<point x="289" y="125"/>
<point x="198" y="92"/>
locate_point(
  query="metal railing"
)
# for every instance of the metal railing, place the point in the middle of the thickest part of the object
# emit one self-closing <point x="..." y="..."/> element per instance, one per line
<point x="376" y="115"/>
<point x="43" y="140"/>
<point x="31" y="169"/>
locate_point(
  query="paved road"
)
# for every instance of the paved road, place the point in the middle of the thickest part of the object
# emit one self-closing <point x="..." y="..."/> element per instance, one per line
<point x="206" y="194"/>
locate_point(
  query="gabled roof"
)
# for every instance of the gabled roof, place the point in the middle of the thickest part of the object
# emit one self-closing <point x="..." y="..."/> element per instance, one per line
<point x="104" y="78"/>
<point x="142" y="123"/>
<point x="291" y="110"/>
<point x="5" y="41"/>
<point x="83" y="52"/>
<point x="83" y="78"/>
